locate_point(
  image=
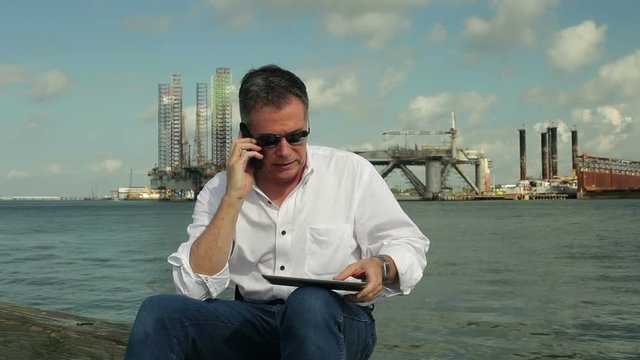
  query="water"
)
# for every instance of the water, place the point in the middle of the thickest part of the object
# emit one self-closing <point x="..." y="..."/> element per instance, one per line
<point x="505" y="279"/>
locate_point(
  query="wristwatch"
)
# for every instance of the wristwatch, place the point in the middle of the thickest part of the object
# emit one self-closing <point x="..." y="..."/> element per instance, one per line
<point x="386" y="268"/>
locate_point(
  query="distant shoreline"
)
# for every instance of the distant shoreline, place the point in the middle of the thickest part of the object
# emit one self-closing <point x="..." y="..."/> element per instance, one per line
<point x="46" y="198"/>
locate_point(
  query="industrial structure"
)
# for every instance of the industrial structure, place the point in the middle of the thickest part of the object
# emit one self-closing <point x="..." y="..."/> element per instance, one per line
<point x="170" y="123"/>
<point x="221" y="117"/>
<point x="550" y="185"/>
<point x="549" y="144"/>
<point x="438" y="162"/>
<point x="590" y="176"/>
<point x="202" y="121"/>
<point x="182" y="171"/>
<point x="548" y="152"/>
<point x="600" y="177"/>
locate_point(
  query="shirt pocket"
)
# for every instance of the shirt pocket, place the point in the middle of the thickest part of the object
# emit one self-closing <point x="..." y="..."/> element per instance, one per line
<point x="329" y="250"/>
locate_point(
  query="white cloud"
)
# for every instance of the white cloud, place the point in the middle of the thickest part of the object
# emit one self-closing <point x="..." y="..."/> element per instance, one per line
<point x="325" y="93"/>
<point x="12" y="74"/>
<point x="577" y="46"/>
<point x="361" y="147"/>
<point x="423" y="110"/>
<point x="391" y="79"/>
<point x="54" y="168"/>
<point x="147" y="23"/>
<point x="609" y="127"/>
<point x="221" y="4"/>
<point x="238" y="13"/>
<point x="609" y="118"/>
<point x="619" y="79"/>
<point x="36" y="121"/>
<point x="108" y="165"/>
<point x="242" y="19"/>
<point x="33" y="126"/>
<point x="605" y="142"/>
<point x="150" y="114"/>
<point x="623" y="74"/>
<point x="377" y="28"/>
<point x="287" y="8"/>
<point x="512" y="26"/>
<point x="375" y="21"/>
<point x="359" y="6"/>
<point x="49" y="85"/>
<point x="612" y="116"/>
<point x="429" y="107"/>
<point x="564" y="132"/>
<point x="17" y="174"/>
<point x="537" y="96"/>
<point x="475" y="104"/>
<point x="437" y="34"/>
<point x="583" y="115"/>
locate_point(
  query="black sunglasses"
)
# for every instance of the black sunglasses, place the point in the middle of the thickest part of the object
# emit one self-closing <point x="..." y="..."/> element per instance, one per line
<point x="270" y="140"/>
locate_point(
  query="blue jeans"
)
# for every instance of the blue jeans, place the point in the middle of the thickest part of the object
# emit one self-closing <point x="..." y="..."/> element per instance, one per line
<point x="313" y="323"/>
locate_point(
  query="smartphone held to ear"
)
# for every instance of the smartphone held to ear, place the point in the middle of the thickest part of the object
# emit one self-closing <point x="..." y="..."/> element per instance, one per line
<point x="244" y="131"/>
<point x="257" y="163"/>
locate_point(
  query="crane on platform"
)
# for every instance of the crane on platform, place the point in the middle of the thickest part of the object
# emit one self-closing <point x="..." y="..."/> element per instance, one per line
<point x="452" y="131"/>
<point x="416" y="132"/>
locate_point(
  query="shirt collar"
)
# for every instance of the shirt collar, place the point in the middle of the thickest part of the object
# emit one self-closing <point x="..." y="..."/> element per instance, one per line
<point x="306" y="174"/>
<point x="308" y="168"/>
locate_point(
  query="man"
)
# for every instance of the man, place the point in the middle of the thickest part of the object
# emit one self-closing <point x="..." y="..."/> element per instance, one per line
<point x="282" y="208"/>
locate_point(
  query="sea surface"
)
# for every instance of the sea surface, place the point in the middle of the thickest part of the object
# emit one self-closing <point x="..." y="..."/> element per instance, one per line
<point x="542" y="279"/>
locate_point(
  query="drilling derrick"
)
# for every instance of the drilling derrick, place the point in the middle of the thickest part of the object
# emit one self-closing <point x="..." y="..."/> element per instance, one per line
<point x="177" y="120"/>
<point x="183" y="169"/>
<point x="221" y="117"/>
<point x="553" y="151"/>
<point x="202" y="119"/>
<point x="164" y="127"/>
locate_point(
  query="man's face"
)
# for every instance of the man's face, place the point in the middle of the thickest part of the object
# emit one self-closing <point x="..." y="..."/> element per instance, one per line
<point x="283" y="163"/>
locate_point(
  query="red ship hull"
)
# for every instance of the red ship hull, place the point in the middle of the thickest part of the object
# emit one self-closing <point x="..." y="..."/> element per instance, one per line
<point x="608" y="178"/>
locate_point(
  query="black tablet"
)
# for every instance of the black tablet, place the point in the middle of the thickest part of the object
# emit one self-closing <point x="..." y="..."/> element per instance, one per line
<point x="329" y="284"/>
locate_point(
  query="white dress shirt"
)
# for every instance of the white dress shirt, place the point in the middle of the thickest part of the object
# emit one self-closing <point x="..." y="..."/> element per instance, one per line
<point x="342" y="211"/>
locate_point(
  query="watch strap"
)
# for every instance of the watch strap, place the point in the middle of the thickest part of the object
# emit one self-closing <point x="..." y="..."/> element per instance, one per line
<point x="386" y="268"/>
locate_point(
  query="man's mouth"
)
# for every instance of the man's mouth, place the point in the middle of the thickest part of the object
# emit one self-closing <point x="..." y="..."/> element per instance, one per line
<point x="285" y="164"/>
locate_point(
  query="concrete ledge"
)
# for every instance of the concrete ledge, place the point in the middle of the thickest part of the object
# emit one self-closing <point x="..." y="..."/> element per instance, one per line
<point x="29" y="333"/>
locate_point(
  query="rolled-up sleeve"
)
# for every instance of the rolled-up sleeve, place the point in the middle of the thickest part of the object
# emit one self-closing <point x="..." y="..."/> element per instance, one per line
<point x="186" y="281"/>
<point x="383" y="228"/>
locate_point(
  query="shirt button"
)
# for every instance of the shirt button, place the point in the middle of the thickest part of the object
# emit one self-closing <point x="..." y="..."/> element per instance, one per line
<point x="283" y="232"/>
<point x="281" y="267"/>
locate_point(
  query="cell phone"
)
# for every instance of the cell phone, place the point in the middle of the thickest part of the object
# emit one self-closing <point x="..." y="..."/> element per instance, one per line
<point x="244" y="131"/>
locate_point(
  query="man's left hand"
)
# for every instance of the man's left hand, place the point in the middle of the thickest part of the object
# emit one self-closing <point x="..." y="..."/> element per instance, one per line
<point x="369" y="270"/>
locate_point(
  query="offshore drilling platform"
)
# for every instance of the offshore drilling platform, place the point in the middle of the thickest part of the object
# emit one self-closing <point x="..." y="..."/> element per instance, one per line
<point x="183" y="169"/>
<point x="438" y="163"/>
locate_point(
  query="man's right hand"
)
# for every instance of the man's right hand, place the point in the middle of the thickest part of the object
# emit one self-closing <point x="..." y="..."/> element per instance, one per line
<point x="210" y="251"/>
<point x="239" y="169"/>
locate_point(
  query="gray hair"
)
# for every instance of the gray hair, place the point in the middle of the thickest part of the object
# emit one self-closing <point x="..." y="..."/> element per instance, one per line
<point x="270" y="85"/>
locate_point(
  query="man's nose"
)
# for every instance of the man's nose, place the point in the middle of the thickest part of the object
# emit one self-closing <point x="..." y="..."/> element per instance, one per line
<point x="283" y="147"/>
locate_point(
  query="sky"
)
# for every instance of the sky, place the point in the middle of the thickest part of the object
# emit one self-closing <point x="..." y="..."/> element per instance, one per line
<point x="79" y="78"/>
